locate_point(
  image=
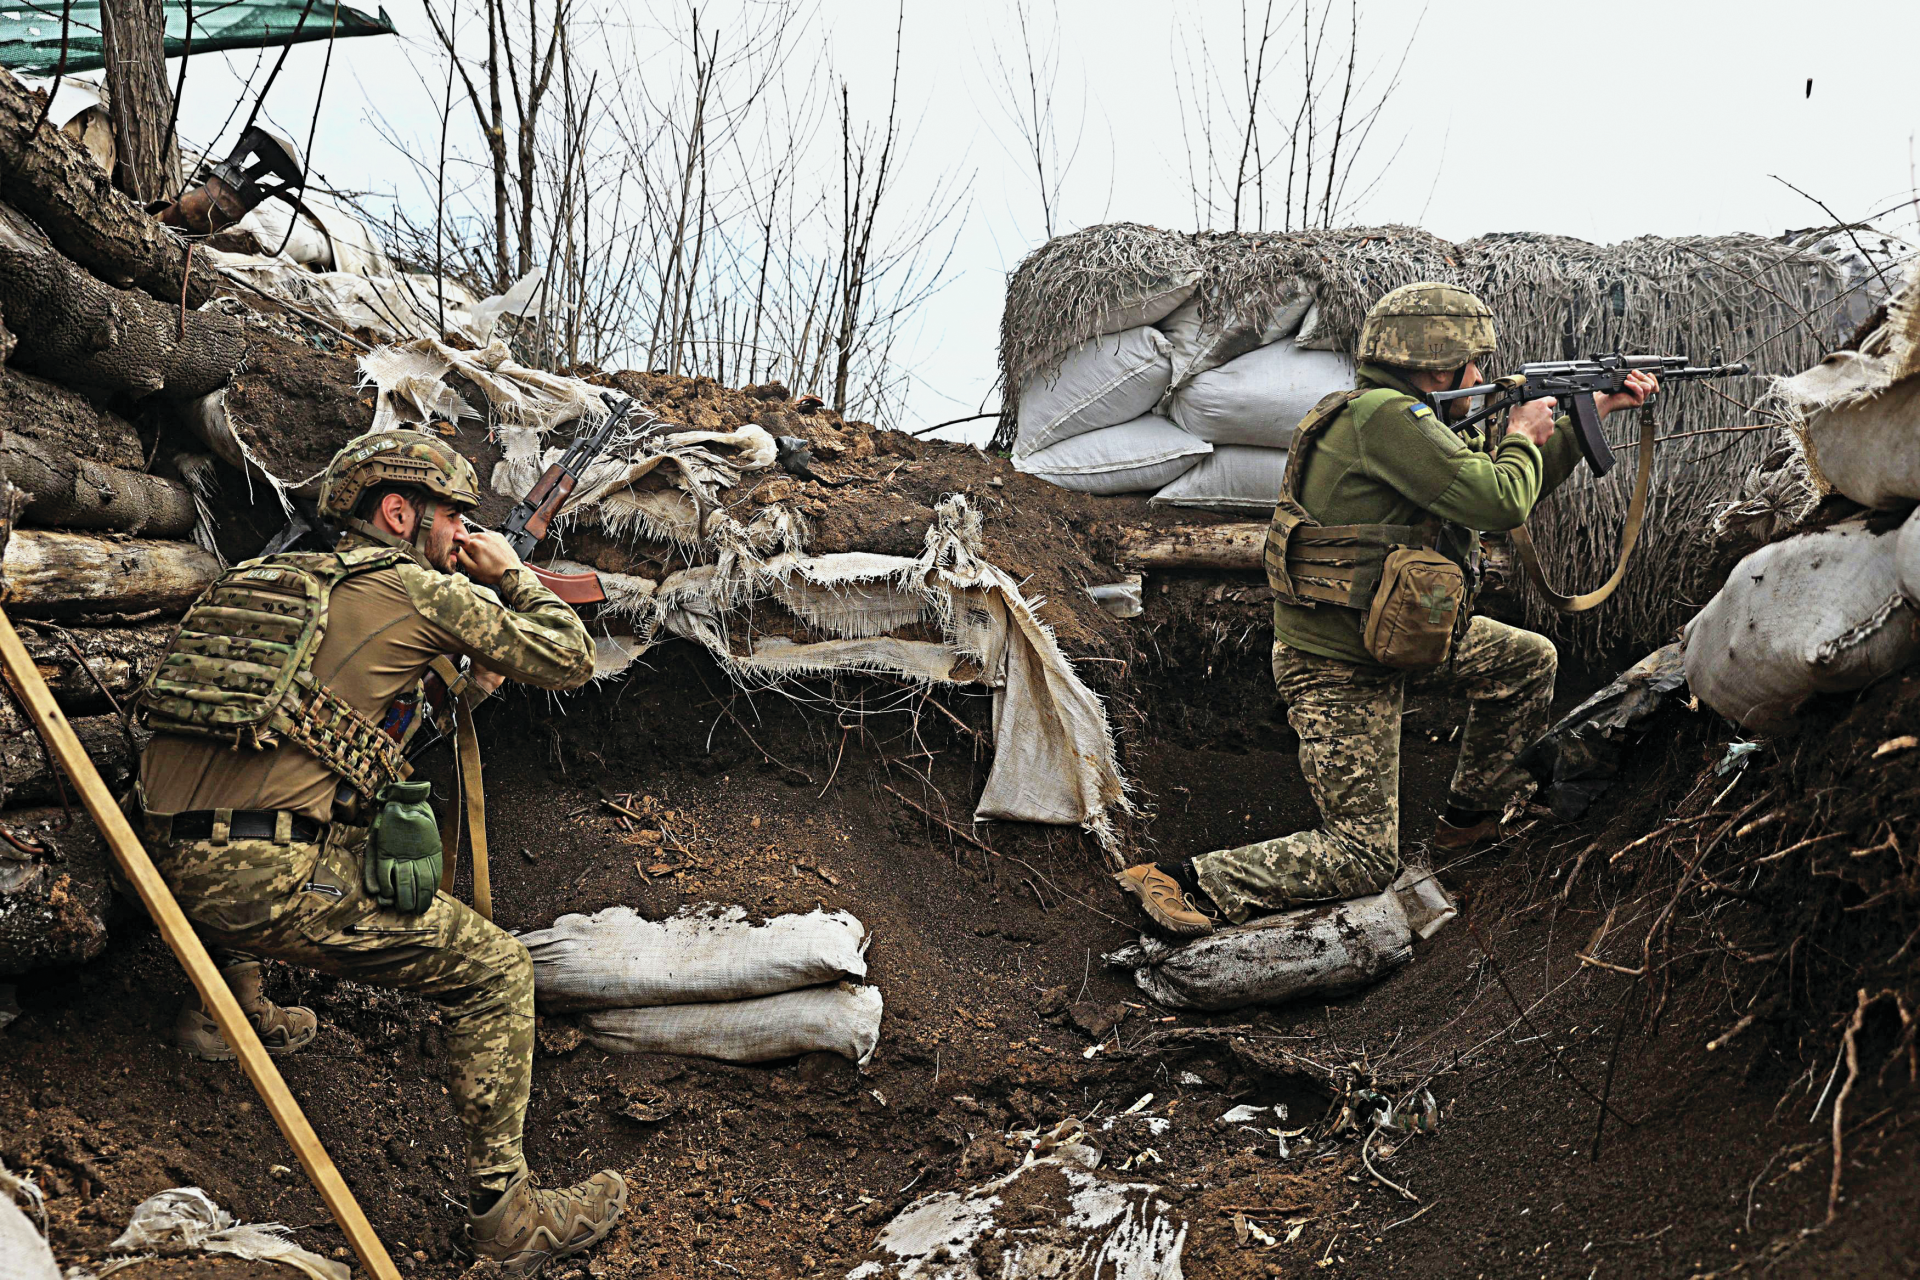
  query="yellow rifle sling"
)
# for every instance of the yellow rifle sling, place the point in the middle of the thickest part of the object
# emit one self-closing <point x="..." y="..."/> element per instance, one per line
<point x="1629" y="535"/>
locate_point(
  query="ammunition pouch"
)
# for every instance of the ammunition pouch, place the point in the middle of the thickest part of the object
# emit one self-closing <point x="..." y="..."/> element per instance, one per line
<point x="1416" y="597"/>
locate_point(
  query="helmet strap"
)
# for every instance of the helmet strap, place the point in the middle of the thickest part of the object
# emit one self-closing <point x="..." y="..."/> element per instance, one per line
<point x="416" y="547"/>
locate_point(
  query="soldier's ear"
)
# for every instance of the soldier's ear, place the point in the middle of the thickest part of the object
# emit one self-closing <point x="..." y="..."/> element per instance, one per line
<point x="399" y="514"/>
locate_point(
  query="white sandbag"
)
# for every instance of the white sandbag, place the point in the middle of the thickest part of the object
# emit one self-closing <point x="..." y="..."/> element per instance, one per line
<point x="1818" y="613"/>
<point x="617" y="959"/>
<point x="1870" y="450"/>
<point x="1259" y="398"/>
<point x="1234" y="477"/>
<point x="1200" y="345"/>
<point x="1906" y="559"/>
<point x="1101" y="383"/>
<point x="842" y="1019"/>
<point x="1145" y="453"/>
<point x="1319" y="951"/>
<point x="1154" y="303"/>
<point x="1051" y="1219"/>
<point x="24" y="1254"/>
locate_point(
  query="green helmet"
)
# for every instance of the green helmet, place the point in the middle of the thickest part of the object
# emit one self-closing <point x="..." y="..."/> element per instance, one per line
<point x="1427" y="326"/>
<point x="405" y="457"/>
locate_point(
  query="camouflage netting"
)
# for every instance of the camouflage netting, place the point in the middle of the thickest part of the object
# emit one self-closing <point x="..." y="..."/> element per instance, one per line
<point x="1777" y="304"/>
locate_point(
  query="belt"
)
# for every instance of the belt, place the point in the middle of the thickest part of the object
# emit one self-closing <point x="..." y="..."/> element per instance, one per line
<point x="245" y="824"/>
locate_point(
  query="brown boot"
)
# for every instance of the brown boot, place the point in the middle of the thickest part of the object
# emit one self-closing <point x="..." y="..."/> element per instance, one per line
<point x="282" y="1030"/>
<point x="527" y="1228"/>
<point x="1466" y="839"/>
<point x="1161" y="898"/>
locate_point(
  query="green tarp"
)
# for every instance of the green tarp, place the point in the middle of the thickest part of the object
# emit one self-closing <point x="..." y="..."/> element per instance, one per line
<point x="30" y="33"/>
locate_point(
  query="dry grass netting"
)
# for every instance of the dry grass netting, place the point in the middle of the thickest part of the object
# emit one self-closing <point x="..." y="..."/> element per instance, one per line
<point x="1778" y="305"/>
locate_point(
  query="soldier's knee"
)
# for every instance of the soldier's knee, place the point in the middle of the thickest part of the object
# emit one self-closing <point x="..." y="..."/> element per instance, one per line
<point x="518" y="975"/>
<point x="1539" y="656"/>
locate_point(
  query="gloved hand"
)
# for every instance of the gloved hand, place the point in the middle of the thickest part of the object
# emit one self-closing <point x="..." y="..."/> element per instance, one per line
<point x="403" y="862"/>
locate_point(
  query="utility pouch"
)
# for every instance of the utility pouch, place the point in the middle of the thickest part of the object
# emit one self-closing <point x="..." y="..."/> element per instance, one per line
<point x="1420" y="597"/>
<point x="404" y="854"/>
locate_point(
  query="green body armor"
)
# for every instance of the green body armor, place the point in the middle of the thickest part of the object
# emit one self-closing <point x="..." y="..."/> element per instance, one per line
<point x="240" y="668"/>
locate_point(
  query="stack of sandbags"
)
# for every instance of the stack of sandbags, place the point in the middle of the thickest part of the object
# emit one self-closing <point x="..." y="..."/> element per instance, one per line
<point x="1090" y="424"/>
<point x="1833" y="610"/>
<point x="710" y="983"/>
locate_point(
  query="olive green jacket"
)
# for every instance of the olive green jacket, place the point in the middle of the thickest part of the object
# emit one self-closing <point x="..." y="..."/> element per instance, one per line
<point x="1394" y="462"/>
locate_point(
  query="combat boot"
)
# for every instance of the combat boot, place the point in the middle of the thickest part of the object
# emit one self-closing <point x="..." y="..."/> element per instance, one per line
<point x="1465" y="839"/>
<point x="1165" y="903"/>
<point x="283" y="1030"/>
<point x="527" y="1228"/>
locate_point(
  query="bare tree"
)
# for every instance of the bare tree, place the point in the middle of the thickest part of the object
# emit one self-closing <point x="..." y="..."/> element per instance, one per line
<point x="147" y="166"/>
<point x="1025" y="80"/>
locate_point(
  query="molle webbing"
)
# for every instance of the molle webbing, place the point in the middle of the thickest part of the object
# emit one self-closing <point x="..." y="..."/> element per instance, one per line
<point x="240" y="669"/>
<point x="1341" y="564"/>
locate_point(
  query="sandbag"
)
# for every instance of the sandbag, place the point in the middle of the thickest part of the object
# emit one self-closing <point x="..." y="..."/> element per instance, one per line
<point x="842" y="1019"/>
<point x="1818" y="613"/>
<point x="1321" y="952"/>
<point x="1906" y="559"/>
<point x="1259" y="398"/>
<point x="617" y="959"/>
<point x="1101" y="383"/>
<point x="1145" y="453"/>
<point x="24" y="1254"/>
<point x="1234" y="477"/>
<point x="1868" y="449"/>
<point x="1200" y="345"/>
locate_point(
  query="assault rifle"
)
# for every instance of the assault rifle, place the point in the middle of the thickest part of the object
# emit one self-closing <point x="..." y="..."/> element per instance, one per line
<point x="530" y="518"/>
<point x="1575" y="383"/>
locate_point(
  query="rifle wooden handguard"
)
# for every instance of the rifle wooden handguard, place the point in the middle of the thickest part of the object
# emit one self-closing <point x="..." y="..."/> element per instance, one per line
<point x="574" y="588"/>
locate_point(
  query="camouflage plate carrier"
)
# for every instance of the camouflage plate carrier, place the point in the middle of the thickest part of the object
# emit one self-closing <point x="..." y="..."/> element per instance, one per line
<point x="240" y="668"/>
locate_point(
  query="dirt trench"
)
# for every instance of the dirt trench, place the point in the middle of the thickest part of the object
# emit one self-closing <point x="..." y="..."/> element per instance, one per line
<point x="990" y="965"/>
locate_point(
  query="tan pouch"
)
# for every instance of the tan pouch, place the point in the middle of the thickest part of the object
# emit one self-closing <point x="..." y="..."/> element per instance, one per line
<point x="1411" y="622"/>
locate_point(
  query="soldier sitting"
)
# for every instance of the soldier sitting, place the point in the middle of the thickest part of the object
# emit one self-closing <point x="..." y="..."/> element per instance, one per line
<point x="1374" y="472"/>
<point x="277" y="809"/>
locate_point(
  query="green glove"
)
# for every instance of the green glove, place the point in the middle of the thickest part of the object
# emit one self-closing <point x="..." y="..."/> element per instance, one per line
<point x="403" y="849"/>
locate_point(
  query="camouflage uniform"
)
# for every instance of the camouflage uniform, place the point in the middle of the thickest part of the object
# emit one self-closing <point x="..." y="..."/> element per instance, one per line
<point x="305" y="902"/>
<point x="1389" y="459"/>
<point x="1348" y="719"/>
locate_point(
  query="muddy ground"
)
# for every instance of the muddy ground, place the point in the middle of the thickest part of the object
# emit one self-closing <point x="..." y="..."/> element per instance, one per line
<point x="990" y="965"/>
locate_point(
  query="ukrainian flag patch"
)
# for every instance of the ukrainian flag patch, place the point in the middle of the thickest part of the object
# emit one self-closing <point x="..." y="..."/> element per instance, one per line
<point x="1417" y="410"/>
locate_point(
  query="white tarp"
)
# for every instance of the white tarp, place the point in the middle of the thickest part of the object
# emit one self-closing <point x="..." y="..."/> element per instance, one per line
<point x="188" y="1217"/>
<point x="24" y="1254"/>
<point x="1074" y="1224"/>
<point x="618" y="959"/>
<point x="1817" y="613"/>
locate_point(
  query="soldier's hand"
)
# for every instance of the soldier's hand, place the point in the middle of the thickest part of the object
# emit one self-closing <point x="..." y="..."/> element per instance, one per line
<point x="1534" y="420"/>
<point x="484" y="555"/>
<point x="1640" y="385"/>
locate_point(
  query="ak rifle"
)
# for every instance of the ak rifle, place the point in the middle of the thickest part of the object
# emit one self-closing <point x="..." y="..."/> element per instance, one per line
<point x="1574" y="383"/>
<point x="533" y="515"/>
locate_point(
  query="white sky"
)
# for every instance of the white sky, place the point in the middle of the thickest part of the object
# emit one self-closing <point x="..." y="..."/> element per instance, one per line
<point x="1602" y="121"/>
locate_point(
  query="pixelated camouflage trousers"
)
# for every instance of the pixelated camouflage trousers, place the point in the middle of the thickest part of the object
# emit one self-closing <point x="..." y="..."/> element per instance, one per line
<point x="1348" y="719"/>
<point x="305" y="904"/>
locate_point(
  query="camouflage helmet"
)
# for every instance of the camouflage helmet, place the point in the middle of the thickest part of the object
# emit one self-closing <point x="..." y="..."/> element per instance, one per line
<point x="397" y="457"/>
<point x="1427" y="326"/>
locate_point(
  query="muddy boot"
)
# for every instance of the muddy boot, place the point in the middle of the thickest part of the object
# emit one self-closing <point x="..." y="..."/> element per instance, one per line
<point x="526" y="1229"/>
<point x="1164" y="901"/>
<point x="282" y="1030"/>
<point x="1466" y="836"/>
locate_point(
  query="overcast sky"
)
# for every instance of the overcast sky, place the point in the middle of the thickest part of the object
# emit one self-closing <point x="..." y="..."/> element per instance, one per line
<point x="1597" y="121"/>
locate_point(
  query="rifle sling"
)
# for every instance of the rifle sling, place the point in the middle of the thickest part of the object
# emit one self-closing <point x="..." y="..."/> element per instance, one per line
<point x="1629" y="535"/>
<point x="473" y="795"/>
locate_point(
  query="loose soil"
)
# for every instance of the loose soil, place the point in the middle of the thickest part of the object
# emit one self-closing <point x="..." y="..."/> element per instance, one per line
<point x="1000" y="1014"/>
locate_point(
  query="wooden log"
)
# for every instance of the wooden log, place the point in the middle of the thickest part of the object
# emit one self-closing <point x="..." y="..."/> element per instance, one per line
<point x="66" y="420"/>
<point x="78" y="493"/>
<point x="28" y="777"/>
<point x="53" y="180"/>
<point x="52" y="574"/>
<point x="54" y="889"/>
<point x="1232" y="547"/>
<point x="116" y="660"/>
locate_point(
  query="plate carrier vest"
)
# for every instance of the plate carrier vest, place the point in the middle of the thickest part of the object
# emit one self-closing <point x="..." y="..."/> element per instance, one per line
<point x="240" y="668"/>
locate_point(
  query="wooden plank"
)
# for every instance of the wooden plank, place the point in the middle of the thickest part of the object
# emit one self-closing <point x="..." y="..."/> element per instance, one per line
<point x="1201" y="546"/>
<point x="45" y="572"/>
<point x="174" y="927"/>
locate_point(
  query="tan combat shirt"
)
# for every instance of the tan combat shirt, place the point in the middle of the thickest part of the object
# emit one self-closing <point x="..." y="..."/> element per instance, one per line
<point x="383" y="629"/>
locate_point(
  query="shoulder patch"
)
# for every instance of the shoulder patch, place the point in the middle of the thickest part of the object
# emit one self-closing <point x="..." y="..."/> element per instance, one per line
<point x="1429" y="425"/>
<point x="1418" y="410"/>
